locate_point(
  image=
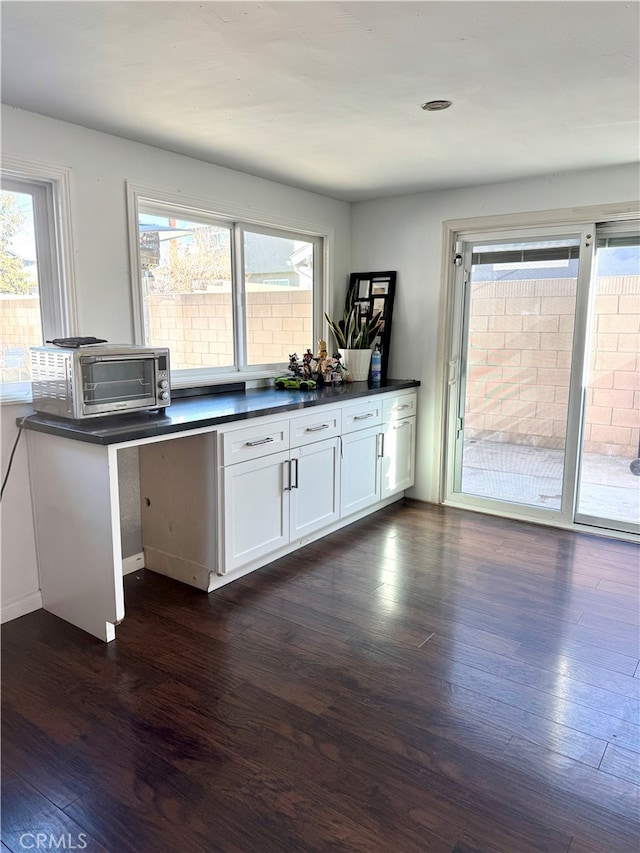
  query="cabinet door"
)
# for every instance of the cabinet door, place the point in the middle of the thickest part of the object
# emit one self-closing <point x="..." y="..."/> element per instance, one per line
<point x="256" y="508"/>
<point x="315" y="487"/>
<point x="360" y="481"/>
<point x="398" y="456"/>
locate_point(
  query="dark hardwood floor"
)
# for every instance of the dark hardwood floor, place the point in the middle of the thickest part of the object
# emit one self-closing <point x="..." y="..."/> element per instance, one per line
<point x="425" y="680"/>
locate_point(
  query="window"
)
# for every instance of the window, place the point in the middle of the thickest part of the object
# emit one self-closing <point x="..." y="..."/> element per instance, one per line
<point x="225" y="296"/>
<point x="34" y="303"/>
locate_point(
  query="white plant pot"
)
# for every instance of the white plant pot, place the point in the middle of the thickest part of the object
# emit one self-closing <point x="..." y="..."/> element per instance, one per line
<point x="357" y="363"/>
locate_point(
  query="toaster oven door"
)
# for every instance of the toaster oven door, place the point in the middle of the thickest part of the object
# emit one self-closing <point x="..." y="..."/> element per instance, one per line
<point x="117" y="384"/>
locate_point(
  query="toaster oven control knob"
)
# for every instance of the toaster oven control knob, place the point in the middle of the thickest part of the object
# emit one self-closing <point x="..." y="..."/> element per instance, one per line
<point x="163" y="384"/>
<point x="164" y="395"/>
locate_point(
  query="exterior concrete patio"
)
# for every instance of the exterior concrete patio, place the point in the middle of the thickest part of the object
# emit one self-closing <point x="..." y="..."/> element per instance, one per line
<point x="533" y="476"/>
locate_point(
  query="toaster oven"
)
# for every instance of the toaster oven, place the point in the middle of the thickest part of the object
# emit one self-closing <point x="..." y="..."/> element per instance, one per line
<point x="99" y="380"/>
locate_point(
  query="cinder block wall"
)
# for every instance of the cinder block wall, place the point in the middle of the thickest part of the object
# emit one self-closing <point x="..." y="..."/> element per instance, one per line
<point x="199" y="327"/>
<point x="521" y="336"/>
<point x="20" y="328"/>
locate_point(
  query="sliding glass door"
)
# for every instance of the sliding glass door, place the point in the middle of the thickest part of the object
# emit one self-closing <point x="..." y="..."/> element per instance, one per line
<point x="609" y="471"/>
<point x="524" y="433"/>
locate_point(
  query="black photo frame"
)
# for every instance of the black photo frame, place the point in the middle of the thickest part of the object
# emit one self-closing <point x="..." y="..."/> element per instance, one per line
<point x="372" y="293"/>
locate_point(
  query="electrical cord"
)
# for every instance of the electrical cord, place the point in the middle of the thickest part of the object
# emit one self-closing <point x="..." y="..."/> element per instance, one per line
<point x="13" y="453"/>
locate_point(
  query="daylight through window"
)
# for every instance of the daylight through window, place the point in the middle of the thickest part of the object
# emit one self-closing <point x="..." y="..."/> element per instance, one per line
<point x="224" y="296"/>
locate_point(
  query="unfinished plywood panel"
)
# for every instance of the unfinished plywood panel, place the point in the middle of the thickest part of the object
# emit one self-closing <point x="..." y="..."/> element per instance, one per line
<point x="178" y="508"/>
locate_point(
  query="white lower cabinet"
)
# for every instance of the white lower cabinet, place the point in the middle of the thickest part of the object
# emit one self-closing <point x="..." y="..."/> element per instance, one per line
<point x="378" y="460"/>
<point x="360" y="483"/>
<point x="398" y="443"/>
<point x="255" y="509"/>
<point x="315" y="487"/>
<point x="226" y="502"/>
<point x="278" y="498"/>
<point x="398" y="456"/>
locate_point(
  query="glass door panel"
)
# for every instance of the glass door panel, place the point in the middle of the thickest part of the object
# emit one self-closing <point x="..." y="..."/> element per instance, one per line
<point x="516" y="367"/>
<point x="609" y="481"/>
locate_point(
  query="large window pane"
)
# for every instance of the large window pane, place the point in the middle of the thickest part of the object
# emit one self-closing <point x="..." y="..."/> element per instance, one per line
<point x="186" y="288"/>
<point x="520" y="319"/>
<point x="609" y="488"/>
<point x="20" y="320"/>
<point x="224" y="294"/>
<point x="278" y="280"/>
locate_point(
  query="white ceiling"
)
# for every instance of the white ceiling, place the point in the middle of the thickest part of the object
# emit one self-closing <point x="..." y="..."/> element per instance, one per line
<point x="326" y="96"/>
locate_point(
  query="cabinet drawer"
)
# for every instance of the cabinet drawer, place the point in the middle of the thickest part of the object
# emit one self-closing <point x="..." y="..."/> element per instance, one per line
<point x="399" y="406"/>
<point x="361" y="415"/>
<point x="314" y="427"/>
<point x="251" y="442"/>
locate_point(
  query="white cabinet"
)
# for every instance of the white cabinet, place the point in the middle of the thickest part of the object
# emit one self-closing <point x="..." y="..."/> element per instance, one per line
<point x="218" y="505"/>
<point x="379" y="450"/>
<point x="219" y="498"/>
<point x="269" y="499"/>
<point x="315" y="487"/>
<point x="360" y="485"/>
<point x="398" y="450"/>
<point x="398" y="456"/>
<point x="255" y="509"/>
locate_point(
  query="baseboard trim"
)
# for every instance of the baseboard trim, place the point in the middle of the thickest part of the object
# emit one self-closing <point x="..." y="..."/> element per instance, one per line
<point x="20" y="606"/>
<point x="132" y="563"/>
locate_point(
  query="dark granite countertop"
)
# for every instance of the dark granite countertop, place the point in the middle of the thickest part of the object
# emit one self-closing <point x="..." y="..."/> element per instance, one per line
<point x="197" y="412"/>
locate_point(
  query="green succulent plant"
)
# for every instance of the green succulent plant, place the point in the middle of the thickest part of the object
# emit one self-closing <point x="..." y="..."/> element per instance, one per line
<point x="354" y="331"/>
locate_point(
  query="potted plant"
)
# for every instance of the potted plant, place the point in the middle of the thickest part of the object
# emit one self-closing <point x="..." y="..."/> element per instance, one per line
<point x="355" y="335"/>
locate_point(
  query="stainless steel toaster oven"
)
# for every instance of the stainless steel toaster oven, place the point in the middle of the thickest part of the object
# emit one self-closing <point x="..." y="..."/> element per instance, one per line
<point x="99" y="380"/>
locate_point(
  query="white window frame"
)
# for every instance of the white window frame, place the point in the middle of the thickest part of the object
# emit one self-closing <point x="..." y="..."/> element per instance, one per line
<point x="239" y="220"/>
<point x="50" y="187"/>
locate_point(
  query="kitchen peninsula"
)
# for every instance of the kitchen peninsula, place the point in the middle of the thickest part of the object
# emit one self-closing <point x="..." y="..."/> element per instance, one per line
<point x="229" y="482"/>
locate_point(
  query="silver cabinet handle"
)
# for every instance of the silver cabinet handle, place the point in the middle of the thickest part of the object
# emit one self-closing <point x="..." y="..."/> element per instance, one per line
<point x="363" y="417"/>
<point x="403" y="406"/>
<point x="380" y="439"/>
<point x="317" y="428"/>
<point x="295" y="485"/>
<point x="287" y="462"/>
<point x="260" y="441"/>
<point x="401" y="425"/>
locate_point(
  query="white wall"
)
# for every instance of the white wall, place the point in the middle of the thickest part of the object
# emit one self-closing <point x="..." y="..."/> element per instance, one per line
<point x="100" y="165"/>
<point x="18" y="565"/>
<point x="406" y="234"/>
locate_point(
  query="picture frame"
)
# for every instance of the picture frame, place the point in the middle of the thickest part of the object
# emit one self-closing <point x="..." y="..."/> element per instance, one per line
<point x="373" y="293"/>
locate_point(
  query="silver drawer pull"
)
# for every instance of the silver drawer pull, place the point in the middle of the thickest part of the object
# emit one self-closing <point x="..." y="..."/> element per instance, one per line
<point x="318" y="428"/>
<point x="403" y="406"/>
<point x="401" y="425"/>
<point x="261" y="441"/>
<point x="363" y="417"/>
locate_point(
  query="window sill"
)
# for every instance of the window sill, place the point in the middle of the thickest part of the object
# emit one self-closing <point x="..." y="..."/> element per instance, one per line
<point x="18" y="392"/>
<point x="252" y="379"/>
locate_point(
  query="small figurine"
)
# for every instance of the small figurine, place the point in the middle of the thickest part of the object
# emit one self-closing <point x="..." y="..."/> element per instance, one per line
<point x="340" y="371"/>
<point x="307" y="368"/>
<point x="302" y="378"/>
<point x="321" y="358"/>
<point x="294" y="366"/>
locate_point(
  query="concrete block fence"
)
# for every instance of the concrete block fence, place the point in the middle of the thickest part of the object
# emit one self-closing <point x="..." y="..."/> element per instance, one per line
<point x="198" y="328"/>
<point x="521" y="337"/>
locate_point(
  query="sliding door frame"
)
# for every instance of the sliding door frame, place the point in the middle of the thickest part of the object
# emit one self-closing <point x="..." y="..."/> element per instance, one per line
<point x="547" y="223"/>
<point x="581" y="518"/>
